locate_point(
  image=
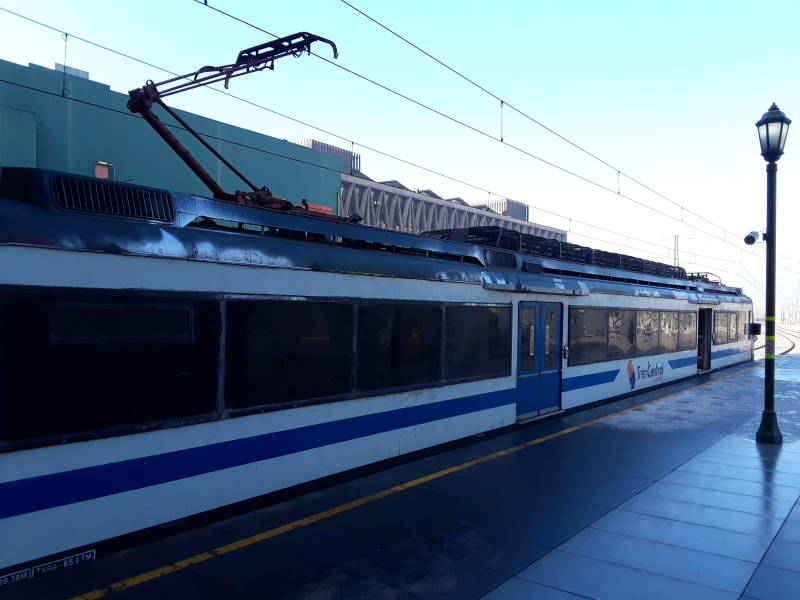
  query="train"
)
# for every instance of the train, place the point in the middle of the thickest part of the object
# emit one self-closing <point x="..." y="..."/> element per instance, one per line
<point x="163" y="355"/>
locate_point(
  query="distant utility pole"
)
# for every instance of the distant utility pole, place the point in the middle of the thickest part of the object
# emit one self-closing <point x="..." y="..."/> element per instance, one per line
<point x="675" y="252"/>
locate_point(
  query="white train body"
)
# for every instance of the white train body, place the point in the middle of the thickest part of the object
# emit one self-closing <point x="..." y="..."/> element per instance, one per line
<point x="256" y="403"/>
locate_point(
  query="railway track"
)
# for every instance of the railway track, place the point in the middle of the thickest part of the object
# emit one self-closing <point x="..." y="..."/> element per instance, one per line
<point x="791" y="338"/>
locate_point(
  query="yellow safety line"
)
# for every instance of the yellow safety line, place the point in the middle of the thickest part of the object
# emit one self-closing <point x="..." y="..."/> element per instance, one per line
<point x="265" y="535"/>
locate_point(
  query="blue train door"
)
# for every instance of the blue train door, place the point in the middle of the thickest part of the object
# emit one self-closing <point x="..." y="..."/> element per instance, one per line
<point x="539" y="359"/>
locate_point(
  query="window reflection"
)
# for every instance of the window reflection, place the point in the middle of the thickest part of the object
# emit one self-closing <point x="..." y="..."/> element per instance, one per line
<point x="621" y="333"/>
<point x="647" y="326"/>
<point x="668" y="333"/>
<point x="588" y="335"/>
<point x="733" y="327"/>
<point x="600" y="334"/>
<point x="687" y="336"/>
<point x="720" y="328"/>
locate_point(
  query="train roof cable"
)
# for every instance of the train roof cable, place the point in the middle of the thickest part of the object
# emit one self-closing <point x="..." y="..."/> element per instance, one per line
<point x="388" y="155"/>
<point x="522" y="113"/>
<point x="487" y="135"/>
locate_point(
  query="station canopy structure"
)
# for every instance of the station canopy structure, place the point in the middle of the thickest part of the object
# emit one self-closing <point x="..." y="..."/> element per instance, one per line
<point x="396" y="207"/>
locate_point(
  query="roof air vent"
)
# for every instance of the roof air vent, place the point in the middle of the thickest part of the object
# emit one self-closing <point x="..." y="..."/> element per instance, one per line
<point x="111" y="198"/>
<point x="500" y="260"/>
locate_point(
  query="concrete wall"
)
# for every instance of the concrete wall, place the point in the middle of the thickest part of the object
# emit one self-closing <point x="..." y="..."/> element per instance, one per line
<point x="40" y="128"/>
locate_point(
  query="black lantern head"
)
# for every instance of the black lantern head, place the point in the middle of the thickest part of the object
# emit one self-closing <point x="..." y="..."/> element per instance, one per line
<point x="772" y="130"/>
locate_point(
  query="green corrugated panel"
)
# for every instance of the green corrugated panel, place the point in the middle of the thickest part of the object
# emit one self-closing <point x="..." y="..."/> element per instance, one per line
<point x="17" y="138"/>
<point x="72" y="134"/>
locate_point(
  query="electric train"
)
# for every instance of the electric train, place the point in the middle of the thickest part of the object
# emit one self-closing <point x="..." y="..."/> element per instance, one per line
<point x="163" y="354"/>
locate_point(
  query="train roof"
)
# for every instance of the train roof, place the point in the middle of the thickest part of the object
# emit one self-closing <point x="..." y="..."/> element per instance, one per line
<point x="61" y="210"/>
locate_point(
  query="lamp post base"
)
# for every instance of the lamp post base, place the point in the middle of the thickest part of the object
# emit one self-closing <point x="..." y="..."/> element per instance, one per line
<point x="768" y="431"/>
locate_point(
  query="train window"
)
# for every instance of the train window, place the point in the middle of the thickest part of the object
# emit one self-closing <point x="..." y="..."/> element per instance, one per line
<point x="527" y="339"/>
<point x="588" y="335"/>
<point x="720" y="327"/>
<point x="647" y="327"/>
<point x="477" y="341"/>
<point x="552" y="348"/>
<point x="668" y="332"/>
<point x="621" y="333"/>
<point x="398" y="346"/>
<point x="733" y="327"/>
<point x="687" y="336"/>
<point x="101" y="323"/>
<point x="287" y="351"/>
<point x="78" y="365"/>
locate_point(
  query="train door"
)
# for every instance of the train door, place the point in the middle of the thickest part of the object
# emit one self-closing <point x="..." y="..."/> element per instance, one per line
<point x="539" y="359"/>
<point x="705" y="333"/>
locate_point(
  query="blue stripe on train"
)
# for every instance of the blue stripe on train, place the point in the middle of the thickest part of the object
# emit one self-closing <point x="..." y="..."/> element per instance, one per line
<point x="582" y="381"/>
<point x="79" y="485"/>
<point x="683" y="362"/>
<point x="726" y="353"/>
<point x="690" y="360"/>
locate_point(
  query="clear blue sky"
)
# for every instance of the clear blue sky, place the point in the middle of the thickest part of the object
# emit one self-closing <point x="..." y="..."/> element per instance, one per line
<point x="667" y="92"/>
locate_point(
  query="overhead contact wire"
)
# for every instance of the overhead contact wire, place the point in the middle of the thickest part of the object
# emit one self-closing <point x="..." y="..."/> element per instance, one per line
<point x="352" y="142"/>
<point x="516" y="148"/>
<point x="529" y="117"/>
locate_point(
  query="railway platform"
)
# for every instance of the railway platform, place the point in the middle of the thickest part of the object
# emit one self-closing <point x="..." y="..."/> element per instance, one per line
<point x="661" y="495"/>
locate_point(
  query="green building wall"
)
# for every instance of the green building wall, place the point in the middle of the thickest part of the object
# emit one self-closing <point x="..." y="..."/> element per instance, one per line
<point x="40" y="128"/>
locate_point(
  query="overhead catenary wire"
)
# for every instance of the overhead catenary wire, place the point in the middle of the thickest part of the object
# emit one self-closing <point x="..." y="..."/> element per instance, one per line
<point x="352" y="142"/>
<point x="505" y="103"/>
<point x="318" y="166"/>
<point x="312" y="164"/>
<point x="255" y="104"/>
<point x="488" y="135"/>
<point x="500" y="139"/>
<point x="433" y="110"/>
<point x="365" y="146"/>
<point x="315" y="127"/>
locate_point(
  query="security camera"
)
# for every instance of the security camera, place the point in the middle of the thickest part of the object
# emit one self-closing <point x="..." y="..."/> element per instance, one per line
<point x="752" y="237"/>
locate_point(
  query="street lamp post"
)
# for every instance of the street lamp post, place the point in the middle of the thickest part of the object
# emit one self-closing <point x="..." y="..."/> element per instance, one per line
<point x="772" y="130"/>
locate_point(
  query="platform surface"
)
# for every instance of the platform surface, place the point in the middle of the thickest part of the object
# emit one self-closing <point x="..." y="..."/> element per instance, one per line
<point x="662" y="495"/>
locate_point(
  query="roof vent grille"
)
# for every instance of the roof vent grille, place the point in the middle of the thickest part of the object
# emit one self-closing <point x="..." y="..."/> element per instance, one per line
<point x="500" y="260"/>
<point x="109" y="198"/>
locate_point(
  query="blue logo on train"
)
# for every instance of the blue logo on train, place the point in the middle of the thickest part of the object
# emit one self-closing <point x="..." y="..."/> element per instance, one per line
<point x="631" y="374"/>
<point x="654" y="371"/>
